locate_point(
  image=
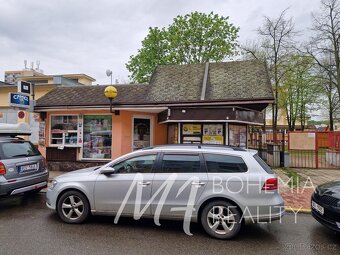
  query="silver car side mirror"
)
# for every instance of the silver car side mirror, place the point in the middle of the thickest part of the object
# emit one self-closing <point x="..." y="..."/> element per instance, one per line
<point x="107" y="171"/>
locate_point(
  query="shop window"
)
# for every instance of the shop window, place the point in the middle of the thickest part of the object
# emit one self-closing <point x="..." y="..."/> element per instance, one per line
<point x="173" y="133"/>
<point x="97" y="136"/>
<point x="64" y="130"/>
<point x="224" y="164"/>
<point x="191" y="133"/>
<point x="213" y="134"/>
<point x="238" y="135"/>
<point x="141" y="133"/>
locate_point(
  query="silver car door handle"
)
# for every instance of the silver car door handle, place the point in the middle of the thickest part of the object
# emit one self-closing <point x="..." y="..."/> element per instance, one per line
<point x="144" y="184"/>
<point x="198" y="183"/>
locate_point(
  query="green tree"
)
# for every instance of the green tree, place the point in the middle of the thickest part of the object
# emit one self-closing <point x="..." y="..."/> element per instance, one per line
<point x="276" y="40"/>
<point x="299" y="91"/>
<point x="329" y="100"/>
<point x="192" y="38"/>
<point x="326" y="39"/>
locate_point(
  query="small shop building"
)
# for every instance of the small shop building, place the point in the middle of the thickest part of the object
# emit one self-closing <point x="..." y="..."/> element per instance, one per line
<point x="210" y="103"/>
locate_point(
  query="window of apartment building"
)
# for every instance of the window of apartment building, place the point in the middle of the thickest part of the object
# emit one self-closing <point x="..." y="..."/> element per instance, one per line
<point x="64" y="130"/>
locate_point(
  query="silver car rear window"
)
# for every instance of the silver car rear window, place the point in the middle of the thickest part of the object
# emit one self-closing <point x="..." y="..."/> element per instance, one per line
<point x="217" y="163"/>
<point x="263" y="164"/>
<point x="17" y="149"/>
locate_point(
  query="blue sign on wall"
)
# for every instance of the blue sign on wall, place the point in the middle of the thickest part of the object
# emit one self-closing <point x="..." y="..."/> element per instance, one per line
<point x="19" y="100"/>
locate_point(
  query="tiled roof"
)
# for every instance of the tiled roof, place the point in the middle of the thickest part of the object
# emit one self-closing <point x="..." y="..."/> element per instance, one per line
<point x="227" y="81"/>
<point x="238" y="80"/>
<point x="93" y="95"/>
<point x="178" y="83"/>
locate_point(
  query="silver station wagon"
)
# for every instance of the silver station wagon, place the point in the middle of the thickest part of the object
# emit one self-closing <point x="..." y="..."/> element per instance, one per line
<point x="220" y="187"/>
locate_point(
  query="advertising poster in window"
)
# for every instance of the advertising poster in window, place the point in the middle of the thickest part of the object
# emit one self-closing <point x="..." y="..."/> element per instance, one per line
<point x="97" y="136"/>
<point x="191" y="129"/>
<point x="238" y="135"/>
<point x="213" y="129"/>
<point x="192" y="139"/>
<point x="210" y="139"/>
<point x="213" y="134"/>
<point x="80" y="128"/>
<point x="42" y="127"/>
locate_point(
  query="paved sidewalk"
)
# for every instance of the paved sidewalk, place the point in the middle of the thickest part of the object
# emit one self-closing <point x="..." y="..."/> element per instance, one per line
<point x="54" y="174"/>
<point x="297" y="198"/>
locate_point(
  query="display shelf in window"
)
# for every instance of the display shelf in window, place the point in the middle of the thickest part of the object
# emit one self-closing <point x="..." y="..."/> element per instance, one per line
<point x="64" y="130"/>
<point x="71" y="138"/>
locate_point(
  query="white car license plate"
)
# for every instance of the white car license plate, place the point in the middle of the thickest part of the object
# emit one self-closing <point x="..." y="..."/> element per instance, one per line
<point x="318" y="207"/>
<point x="27" y="168"/>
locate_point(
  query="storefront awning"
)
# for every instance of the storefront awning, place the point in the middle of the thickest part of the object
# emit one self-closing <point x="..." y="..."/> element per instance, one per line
<point x="230" y="114"/>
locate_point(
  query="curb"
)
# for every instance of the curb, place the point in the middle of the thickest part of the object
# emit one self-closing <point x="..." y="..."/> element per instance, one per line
<point x="297" y="210"/>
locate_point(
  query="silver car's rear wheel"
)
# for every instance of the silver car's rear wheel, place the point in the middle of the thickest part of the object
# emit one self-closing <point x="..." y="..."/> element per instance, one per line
<point x="73" y="207"/>
<point x="221" y="219"/>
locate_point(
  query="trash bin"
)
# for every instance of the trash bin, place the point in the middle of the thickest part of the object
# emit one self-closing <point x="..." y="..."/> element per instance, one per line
<point x="273" y="155"/>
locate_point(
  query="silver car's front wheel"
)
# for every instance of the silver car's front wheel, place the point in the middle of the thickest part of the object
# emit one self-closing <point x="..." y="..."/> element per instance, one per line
<point x="221" y="219"/>
<point x="73" y="207"/>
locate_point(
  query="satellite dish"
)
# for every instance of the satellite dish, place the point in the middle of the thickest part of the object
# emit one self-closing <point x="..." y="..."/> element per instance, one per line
<point x="108" y="72"/>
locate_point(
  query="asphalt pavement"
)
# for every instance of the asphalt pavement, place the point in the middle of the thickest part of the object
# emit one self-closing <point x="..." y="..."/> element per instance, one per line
<point x="28" y="227"/>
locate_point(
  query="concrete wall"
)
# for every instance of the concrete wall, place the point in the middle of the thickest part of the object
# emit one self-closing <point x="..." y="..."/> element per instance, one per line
<point x="8" y="115"/>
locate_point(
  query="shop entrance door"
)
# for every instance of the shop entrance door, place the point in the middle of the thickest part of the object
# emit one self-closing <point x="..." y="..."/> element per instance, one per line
<point x="141" y="133"/>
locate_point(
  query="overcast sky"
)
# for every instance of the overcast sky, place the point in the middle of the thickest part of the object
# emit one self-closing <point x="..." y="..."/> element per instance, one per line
<point x="80" y="36"/>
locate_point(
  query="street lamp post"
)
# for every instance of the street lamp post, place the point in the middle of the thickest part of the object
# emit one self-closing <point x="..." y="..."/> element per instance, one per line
<point x="109" y="74"/>
<point x="110" y="93"/>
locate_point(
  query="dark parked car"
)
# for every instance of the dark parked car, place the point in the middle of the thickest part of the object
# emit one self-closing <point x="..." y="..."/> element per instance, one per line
<point x="326" y="205"/>
<point x="22" y="167"/>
